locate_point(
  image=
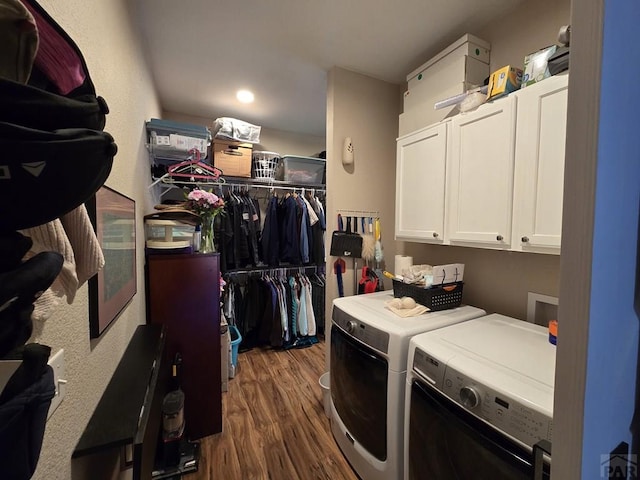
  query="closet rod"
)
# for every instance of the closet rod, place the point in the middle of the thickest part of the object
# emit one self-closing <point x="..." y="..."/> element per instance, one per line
<point x="272" y="186"/>
<point x="169" y="182"/>
<point x="315" y="268"/>
<point x="166" y="179"/>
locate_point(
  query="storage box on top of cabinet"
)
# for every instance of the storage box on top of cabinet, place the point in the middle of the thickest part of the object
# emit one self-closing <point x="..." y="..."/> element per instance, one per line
<point x="466" y="46"/>
<point x="456" y="69"/>
<point x="442" y="75"/>
<point x="296" y="169"/>
<point x="233" y="158"/>
<point x="424" y="115"/>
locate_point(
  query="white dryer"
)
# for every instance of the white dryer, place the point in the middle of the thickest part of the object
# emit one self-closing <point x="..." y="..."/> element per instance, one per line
<point x="479" y="396"/>
<point x="368" y="362"/>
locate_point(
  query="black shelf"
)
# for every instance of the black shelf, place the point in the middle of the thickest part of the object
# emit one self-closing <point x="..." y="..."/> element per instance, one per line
<point x="125" y="407"/>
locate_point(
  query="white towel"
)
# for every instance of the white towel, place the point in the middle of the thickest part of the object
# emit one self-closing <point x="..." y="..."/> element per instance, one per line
<point x="407" y="312"/>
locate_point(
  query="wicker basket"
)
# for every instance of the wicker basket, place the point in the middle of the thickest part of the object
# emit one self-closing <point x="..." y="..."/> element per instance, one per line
<point x="264" y="164"/>
<point x="441" y="297"/>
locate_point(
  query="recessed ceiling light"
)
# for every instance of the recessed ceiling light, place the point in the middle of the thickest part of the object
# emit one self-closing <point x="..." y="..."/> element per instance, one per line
<point x="245" y="96"/>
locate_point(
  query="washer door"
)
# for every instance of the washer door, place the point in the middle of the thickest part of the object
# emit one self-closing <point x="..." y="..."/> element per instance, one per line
<point x="359" y="391"/>
<point x="447" y="442"/>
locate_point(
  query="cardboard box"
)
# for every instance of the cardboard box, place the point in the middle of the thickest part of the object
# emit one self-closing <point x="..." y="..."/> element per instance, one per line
<point x="536" y="67"/>
<point x="504" y="81"/>
<point x="233" y="158"/>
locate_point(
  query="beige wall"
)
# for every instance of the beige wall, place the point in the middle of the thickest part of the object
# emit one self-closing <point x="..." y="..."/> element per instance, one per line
<point x="530" y="27"/>
<point x="366" y="110"/>
<point x="496" y="281"/>
<point x="287" y="143"/>
<point x="103" y="32"/>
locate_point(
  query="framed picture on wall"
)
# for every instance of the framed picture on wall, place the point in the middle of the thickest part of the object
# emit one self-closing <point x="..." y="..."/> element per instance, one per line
<point x="114" y="219"/>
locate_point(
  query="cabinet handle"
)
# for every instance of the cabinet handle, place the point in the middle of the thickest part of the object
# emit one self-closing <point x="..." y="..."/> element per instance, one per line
<point x="525" y="239"/>
<point x="435" y="234"/>
<point x="499" y="238"/>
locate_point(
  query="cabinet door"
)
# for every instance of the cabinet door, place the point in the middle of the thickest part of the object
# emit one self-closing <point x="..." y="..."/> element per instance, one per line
<point x="183" y="293"/>
<point x="420" y="185"/>
<point x="540" y="150"/>
<point x="481" y="179"/>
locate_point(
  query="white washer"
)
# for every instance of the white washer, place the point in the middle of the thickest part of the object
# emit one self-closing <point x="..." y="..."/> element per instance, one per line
<point x="481" y="393"/>
<point x="369" y="348"/>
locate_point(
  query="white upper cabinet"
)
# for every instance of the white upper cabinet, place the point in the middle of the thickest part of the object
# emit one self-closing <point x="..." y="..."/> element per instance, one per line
<point x="480" y="183"/>
<point x="539" y="171"/>
<point x="421" y="167"/>
<point x="491" y="178"/>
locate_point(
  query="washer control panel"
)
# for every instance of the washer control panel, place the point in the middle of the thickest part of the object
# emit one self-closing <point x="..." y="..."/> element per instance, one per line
<point x="512" y="417"/>
<point x="429" y="367"/>
<point x="356" y="328"/>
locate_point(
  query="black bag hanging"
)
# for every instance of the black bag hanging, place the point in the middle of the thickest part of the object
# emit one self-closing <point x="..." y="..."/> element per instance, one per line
<point x="44" y="175"/>
<point x="37" y="108"/>
<point x="59" y="92"/>
<point x="345" y="243"/>
<point x="53" y="153"/>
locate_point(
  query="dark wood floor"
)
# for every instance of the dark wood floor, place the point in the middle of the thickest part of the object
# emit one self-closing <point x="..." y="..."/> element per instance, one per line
<point x="274" y="426"/>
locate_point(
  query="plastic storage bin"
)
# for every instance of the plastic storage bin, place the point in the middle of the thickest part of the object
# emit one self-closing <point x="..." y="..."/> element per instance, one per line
<point x="170" y="141"/>
<point x="295" y="169"/>
<point x="236" y="338"/>
<point x="168" y="234"/>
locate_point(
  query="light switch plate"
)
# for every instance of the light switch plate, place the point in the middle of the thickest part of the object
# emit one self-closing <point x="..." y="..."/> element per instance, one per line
<point x="59" y="379"/>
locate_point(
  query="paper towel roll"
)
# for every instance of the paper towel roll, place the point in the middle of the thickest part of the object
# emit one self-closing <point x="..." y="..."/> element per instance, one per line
<point x="402" y="262"/>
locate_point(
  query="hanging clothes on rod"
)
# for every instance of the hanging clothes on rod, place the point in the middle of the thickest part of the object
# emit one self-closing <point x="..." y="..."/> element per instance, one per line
<point x="288" y="230"/>
<point x="276" y="308"/>
<point x="238" y="231"/>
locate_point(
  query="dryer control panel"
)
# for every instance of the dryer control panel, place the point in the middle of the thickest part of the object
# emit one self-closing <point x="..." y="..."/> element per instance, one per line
<point x="506" y="414"/>
<point x="364" y="332"/>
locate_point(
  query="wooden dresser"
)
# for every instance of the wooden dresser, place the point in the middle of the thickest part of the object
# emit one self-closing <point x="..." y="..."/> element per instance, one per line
<point x="183" y="294"/>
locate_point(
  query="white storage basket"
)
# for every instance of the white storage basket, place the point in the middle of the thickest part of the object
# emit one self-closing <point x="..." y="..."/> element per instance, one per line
<point x="264" y="164"/>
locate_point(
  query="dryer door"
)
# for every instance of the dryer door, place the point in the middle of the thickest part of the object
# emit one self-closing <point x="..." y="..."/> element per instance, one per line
<point x="446" y="441"/>
<point x="359" y="391"/>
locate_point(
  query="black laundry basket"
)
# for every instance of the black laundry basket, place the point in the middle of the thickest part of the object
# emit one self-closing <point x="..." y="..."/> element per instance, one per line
<point x="439" y="297"/>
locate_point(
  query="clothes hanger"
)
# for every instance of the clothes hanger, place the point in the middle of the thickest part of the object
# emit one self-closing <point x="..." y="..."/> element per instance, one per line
<point x="194" y="169"/>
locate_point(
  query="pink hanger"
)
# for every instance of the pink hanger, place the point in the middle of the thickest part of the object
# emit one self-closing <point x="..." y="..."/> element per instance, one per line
<point x="194" y="169"/>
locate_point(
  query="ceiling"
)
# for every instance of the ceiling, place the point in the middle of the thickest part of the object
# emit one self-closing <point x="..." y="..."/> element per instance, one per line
<point x="201" y="52"/>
